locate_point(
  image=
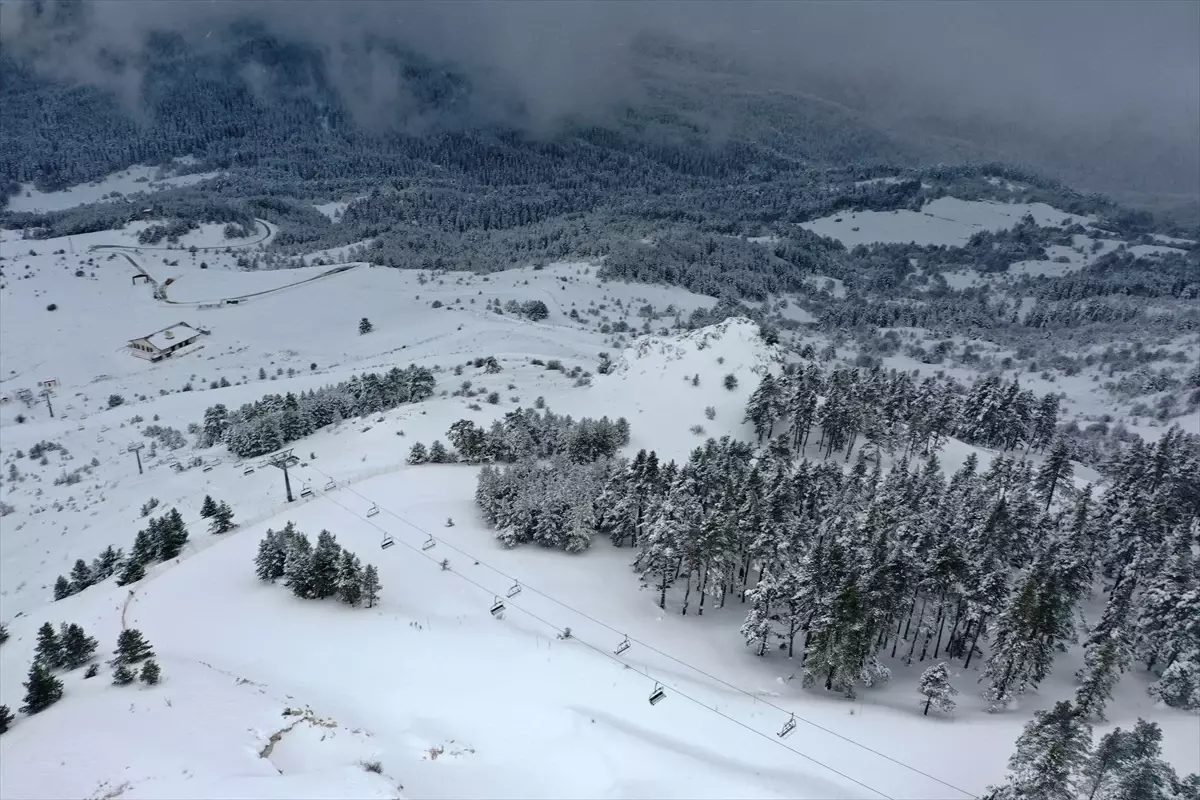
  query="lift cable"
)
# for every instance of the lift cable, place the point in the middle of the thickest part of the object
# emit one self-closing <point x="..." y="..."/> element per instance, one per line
<point x="650" y="647"/>
<point x="606" y="654"/>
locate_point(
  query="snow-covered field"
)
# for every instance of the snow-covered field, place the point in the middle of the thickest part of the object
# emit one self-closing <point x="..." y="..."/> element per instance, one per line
<point x="947" y="221"/>
<point x="113" y="188"/>
<point x="269" y="696"/>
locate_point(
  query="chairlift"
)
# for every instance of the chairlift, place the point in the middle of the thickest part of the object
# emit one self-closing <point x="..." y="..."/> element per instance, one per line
<point x="306" y="490"/>
<point x="387" y="542"/>
<point x="514" y="590"/>
<point x="207" y="468"/>
<point x="248" y="471"/>
<point x="429" y="543"/>
<point x="498" y="608"/>
<point x="373" y="510"/>
<point x="658" y="694"/>
<point x="788" y="727"/>
<point x="79" y="428"/>
<point x="623" y="646"/>
<point x="330" y="484"/>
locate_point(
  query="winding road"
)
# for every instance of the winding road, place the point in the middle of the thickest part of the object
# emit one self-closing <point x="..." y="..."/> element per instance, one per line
<point x="160" y="290"/>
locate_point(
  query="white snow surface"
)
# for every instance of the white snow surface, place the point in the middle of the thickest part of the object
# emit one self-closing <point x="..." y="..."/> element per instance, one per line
<point x="947" y="221"/>
<point x="451" y="702"/>
<point x="126" y="182"/>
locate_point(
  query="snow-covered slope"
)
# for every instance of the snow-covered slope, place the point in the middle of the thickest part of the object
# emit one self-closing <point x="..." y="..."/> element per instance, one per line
<point x="450" y="701"/>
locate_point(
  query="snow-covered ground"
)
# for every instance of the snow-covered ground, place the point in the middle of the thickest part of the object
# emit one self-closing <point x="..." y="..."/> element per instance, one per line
<point x="450" y="701"/>
<point x="947" y="221"/>
<point x="112" y="188"/>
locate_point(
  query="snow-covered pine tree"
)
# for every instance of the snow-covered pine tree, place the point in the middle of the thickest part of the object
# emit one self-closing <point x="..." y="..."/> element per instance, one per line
<point x="62" y="588"/>
<point x="77" y="647"/>
<point x="6" y="719"/>
<point x="151" y="673"/>
<point x="438" y="453"/>
<point x="1049" y="759"/>
<point x="1106" y="652"/>
<point x="81" y="576"/>
<point x="208" y="507"/>
<point x="757" y="629"/>
<point x="222" y="519"/>
<point x="1179" y="684"/>
<point x="365" y="326"/>
<point x="1008" y="669"/>
<point x="1045" y="422"/>
<point x="370" y="585"/>
<point x="935" y="686"/>
<point x="131" y="572"/>
<point x="1167" y="622"/>
<point x="298" y="565"/>
<point x="1142" y="774"/>
<point x="143" y="551"/>
<point x="1055" y="472"/>
<point x="349" y="579"/>
<point x="325" y="562"/>
<point x="762" y="407"/>
<point x="417" y="454"/>
<point x="105" y="565"/>
<point x="49" y="647"/>
<point x="123" y="675"/>
<point x="132" y="648"/>
<point x="1104" y="764"/>
<point x="42" y="689"/>
<point x="173" y="535"/>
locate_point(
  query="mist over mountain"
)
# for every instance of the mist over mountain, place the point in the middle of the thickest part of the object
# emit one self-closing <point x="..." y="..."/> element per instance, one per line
<point x="1106" y="97"/>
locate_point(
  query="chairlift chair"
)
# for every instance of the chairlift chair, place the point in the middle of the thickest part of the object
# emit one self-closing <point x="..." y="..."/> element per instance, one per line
<point x="623" y="646"/>
<point x="387" y="542"/>
<point x="248" y="471"/>
<point x="658" y="694"/>
<point x="498" y="608"/>
<point x="330" y="484"/>
<point x="306" y="490"/>
<point x="373" y="510"/>
<point x="514" y="590"/>
<point x="429" y="543"/>
<point x="207" y="468"/>
<point x="788" y="727"/>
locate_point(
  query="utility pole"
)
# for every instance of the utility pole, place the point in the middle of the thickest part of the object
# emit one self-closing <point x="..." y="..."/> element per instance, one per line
<point x="282" y="460"/>
<point x="134" y="448"/>
<point x="46" y="393"/>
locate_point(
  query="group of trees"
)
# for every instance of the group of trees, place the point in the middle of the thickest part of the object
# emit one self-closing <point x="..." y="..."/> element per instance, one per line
<point x="841" y="571"/>
<point x="315" y="573"/>
<point x="70" y="648"/>
<point x="162" y="539"/>
<point x="1054" y="760"/>
<point x="264" y="426"/>
<point x="219" y="514"/>
<point x="526" y="433"/>
<point x="894" y="412"/>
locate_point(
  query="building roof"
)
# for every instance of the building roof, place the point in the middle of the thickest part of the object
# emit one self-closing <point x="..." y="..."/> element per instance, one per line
<point x="173" y="335"/>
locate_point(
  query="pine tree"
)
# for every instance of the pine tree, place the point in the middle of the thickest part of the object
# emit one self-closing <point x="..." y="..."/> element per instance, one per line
<point x="1105" y="764"/>
<point x="132" y="648"/>
<point x="370" y="586"/>
<point x="365" y="326"/>
<point x="1104" y="661"/>
<point x="298" y="565"/>
<point x="1142" y="774"/>
<point x="143" y="549"/>
<point x="1179" y="685"/>
<point x="49" y="647"/>
<point x="438" y="453"/>
<point x="42" y="689"/>
<point x="1055" y="471"/>
<point x="62" y="588"/>
<point x="417" y="454"/>
<point x="208" y="507"/>
<point x="77" y="647"/>
<point x="105" y="566"/>
<point x="151" y="674"/>
<point x="132" y="572"/>
<point x="222" y="519"/>
<point x="1050" y="757"/>
<point x="6" y="718"/>
<point x="269" y="563"/>
<point x="3" y="633"/>
<point x="81" y="576"/>
<point x="935" y="685"/>
<point x="173" y="535"/>
<point x="350" y="579"/>
<point x="122" y="675"/>
<point x="325" y="563"/>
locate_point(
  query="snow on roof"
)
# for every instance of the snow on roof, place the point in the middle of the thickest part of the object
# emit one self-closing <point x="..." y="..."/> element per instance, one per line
<point x="173" y="335"/>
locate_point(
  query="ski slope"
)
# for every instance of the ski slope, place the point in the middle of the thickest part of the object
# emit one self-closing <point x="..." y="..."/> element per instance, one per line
<point x="452" y="702"/>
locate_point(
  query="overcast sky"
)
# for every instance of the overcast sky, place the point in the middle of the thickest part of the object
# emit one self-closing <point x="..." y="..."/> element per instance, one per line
<point x="1057" y="66"/>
